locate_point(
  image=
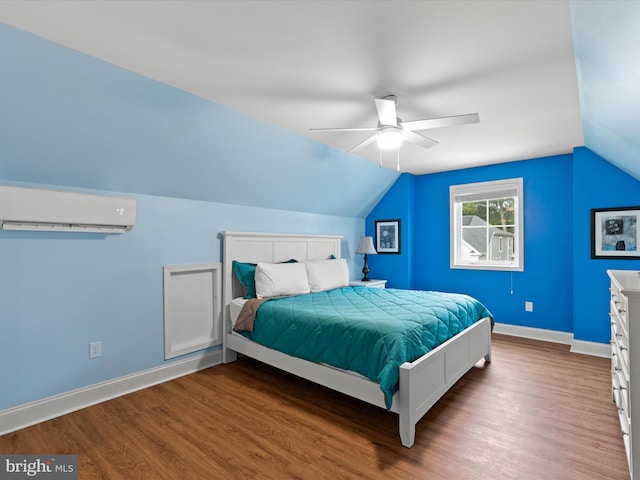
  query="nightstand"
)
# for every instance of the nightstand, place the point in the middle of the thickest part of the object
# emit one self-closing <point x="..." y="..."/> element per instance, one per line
<point x="371" y="283"/>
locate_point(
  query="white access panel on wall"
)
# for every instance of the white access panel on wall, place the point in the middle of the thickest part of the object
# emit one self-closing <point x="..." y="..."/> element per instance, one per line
<point x="192" y="308"/>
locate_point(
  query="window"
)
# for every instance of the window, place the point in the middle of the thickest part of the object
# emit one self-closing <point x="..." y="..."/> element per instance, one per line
<point x="486" y="225"/>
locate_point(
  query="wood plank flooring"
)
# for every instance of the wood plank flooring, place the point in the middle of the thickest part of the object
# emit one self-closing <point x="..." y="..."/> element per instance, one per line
<point x="536" y="412"/>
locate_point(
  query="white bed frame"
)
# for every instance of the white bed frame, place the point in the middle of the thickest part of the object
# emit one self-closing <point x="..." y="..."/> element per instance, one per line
<point x="422" y="382"/>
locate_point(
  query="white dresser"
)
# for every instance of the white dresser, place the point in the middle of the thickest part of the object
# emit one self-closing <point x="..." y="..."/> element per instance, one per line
<point x="625" y="364"/>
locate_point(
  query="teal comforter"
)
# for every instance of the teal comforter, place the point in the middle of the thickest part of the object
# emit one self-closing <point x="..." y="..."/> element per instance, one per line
<point x="371" y="331"/>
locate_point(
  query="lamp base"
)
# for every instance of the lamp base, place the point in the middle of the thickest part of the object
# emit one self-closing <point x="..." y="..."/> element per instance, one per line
<point x="365" y="270"/>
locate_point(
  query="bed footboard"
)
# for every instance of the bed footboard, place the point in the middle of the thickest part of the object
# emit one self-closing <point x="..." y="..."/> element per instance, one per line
<point x="425" y="381"/>
<point x="422" y="383"/>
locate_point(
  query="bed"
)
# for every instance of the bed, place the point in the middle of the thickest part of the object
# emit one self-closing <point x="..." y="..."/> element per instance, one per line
<point x="421" y="383"/>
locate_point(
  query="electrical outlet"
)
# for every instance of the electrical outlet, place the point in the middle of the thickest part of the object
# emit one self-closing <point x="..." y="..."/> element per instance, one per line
<point x="95" y="349"/>
<point x="528" y="306"/>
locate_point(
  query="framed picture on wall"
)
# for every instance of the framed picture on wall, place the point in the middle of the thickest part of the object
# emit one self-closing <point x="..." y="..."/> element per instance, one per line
<point x="614" y="233"/>
<point x="388" y="236"/>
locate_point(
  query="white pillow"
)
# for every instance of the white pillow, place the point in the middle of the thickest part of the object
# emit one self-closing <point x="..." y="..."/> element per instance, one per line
<point x="327" y="274"/>
<point x="278" y="279"/>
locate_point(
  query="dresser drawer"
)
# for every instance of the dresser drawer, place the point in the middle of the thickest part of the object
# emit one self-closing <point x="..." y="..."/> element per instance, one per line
<point x="619" y="305"/>
<point x="625" y="430"/>
<point x="620" y="346"/>
<point x="618" y="366"/>
<point x="620" y="387"/>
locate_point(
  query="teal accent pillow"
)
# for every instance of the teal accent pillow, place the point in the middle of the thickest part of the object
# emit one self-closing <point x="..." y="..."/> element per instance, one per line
<point x="246" y="274"/>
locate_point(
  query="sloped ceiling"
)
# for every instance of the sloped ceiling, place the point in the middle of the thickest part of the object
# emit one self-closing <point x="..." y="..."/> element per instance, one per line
<point x="71" y="120"/>
<point x="202" y="99"/>
<point x="607" y="45"/>
<point x="308" y="64"/>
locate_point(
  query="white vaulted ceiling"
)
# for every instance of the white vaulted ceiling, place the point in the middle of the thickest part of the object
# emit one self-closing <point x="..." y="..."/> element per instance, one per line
<point x="307" y="64"/>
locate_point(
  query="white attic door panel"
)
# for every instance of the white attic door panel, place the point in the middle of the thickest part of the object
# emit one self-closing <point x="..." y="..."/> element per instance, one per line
<point x="192" y="309"/>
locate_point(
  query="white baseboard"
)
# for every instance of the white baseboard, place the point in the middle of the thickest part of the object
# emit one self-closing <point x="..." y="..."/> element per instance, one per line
<point x="22" y="416"/>
<point x="553" y="336"/>
<point x="591" y="348"/>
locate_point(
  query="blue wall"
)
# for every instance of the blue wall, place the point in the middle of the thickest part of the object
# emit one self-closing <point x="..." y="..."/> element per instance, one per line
<point x="597" y="184"/>
<point x="567" y="287"/>
<point x="60" y="291"/>
<point x="73" y="122"/>
<point x="398" y="204"/>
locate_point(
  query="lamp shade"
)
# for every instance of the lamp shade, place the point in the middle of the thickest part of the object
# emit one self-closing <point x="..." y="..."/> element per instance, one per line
<point x="366" y="246"/>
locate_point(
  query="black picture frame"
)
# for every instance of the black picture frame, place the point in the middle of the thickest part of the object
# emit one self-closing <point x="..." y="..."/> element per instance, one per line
<point x="388" y="236"/>
<point x="614" y="233"/>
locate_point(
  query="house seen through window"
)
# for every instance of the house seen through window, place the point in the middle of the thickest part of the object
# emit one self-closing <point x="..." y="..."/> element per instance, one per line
<point x="486" y="225"/>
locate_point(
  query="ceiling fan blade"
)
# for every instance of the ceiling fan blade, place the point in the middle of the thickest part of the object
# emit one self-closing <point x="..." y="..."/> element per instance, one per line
<point x="357" y="129"/>
<point x="441" y="122"/>
<point x="387" y="112"/>
<point x="360" y="146"/>
<point x="418" y="139"/>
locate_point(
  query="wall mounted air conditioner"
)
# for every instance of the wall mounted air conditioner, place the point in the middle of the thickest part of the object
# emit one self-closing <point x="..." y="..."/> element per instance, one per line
<point x="57" y="211"/>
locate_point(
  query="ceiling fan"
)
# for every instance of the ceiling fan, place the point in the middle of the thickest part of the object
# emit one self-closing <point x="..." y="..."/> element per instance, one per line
<point x="392" y="131"/>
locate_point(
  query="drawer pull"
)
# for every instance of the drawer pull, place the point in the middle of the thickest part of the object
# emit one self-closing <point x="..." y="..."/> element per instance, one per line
<point x="623" y="348"/>
<point x="621" y="310"/>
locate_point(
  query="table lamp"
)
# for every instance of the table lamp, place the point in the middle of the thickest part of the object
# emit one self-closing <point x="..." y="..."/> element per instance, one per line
<point x="366" y="247"/>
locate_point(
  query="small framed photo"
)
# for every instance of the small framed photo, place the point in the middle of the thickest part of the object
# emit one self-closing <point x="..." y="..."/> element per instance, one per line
<point x="614" y="233"/>
<point x="388" y="236"/>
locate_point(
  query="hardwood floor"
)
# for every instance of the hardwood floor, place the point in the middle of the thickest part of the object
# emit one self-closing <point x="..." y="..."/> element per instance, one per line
<point x="536" y="412"/>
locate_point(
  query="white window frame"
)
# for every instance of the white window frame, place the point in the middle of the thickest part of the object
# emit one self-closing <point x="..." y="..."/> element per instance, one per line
<point x="487" y="190"/>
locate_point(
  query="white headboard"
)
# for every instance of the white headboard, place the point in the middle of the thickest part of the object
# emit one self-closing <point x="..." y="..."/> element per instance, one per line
<point x="271" y="248"/>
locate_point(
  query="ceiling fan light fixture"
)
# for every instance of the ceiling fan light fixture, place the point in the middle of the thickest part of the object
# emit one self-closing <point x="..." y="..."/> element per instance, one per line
<point x="389" y="138"/>
<point x="391" y="132"/>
